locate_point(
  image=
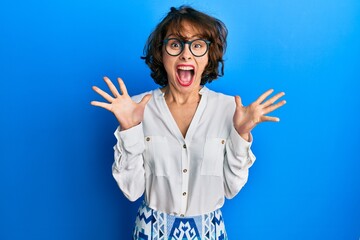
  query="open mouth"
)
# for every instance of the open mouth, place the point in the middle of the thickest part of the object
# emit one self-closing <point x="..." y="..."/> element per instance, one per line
<point x="185" y="74"/>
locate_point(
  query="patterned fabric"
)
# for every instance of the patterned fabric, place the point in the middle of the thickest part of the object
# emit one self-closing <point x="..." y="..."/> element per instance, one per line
<point x="154" y="225"/>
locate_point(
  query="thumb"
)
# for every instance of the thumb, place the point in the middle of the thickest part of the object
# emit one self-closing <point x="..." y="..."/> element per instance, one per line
<point x="145" y="99"/>
<point x="238" y="101"/>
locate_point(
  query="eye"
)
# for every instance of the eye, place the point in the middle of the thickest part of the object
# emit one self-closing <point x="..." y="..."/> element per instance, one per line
<point x="174" y="44"/>
<point x="198" y="44"/>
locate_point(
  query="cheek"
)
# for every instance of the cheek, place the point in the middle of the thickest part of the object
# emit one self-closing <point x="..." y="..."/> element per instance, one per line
<point x="203" y="63"/>
<point x="166" y="62"/>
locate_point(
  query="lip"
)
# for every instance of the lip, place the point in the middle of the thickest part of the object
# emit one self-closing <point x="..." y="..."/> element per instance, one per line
<point x="185" y="67"/>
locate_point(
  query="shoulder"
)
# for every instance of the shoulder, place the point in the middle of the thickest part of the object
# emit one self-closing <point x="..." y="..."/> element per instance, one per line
<point x="138" y="97"/>
<point x="218" y="98"/>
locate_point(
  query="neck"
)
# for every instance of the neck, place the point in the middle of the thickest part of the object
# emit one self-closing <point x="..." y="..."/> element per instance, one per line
<point x="180" y="98"/>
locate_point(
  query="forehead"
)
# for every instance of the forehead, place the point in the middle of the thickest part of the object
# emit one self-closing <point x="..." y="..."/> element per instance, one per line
<point x="184" y="29"/>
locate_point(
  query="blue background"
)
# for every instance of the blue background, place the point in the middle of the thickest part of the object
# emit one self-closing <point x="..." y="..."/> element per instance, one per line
<point x="56" y="149"/>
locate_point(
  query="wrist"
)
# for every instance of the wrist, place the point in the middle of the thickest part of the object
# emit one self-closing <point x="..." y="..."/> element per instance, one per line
<point x="245" y="136"/>
<point x="125" y="126"/>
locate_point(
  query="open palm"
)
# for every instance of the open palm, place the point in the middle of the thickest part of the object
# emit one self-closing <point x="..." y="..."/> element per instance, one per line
<point x="126" y="111"/>
<point x="247" y="117"/>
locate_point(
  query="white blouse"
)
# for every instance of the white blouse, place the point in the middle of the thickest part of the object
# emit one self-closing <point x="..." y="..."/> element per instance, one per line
<point x="183" y="176"/>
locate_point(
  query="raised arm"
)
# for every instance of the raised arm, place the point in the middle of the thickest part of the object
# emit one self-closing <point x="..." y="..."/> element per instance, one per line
<point x="239" y="156"/>
<point x="128" y="168"/>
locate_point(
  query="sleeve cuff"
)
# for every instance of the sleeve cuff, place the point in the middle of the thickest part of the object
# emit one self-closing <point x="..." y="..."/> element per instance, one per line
<point x="240" y="146"/>
<point x="128" y="138"/>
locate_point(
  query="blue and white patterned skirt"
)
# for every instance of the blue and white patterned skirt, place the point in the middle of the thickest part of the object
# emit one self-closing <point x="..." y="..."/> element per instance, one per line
<point x="151" y="224"/>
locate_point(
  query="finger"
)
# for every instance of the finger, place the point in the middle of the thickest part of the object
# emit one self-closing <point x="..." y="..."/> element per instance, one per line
<point x="122" y="87"/>
<point x="103" y="94"/>
<point x="269" y="119"/>
<point x="145" y="99"/>
<point x="238" y="101"/>
<point x="273" y="99"/>
<point x="274" y="107"/>
<point x="112" y="87"/>
<point x="107" y="106"/>
<point x="264" y="96"/>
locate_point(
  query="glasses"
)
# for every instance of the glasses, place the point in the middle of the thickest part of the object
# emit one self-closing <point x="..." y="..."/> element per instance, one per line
<point x="198" y="47"/>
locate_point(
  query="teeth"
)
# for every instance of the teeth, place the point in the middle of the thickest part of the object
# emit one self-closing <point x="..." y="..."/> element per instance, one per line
<point x="186" y="68"/>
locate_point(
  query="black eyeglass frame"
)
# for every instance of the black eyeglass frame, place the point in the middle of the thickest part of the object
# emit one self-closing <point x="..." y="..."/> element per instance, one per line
<point x="183" y="46"/>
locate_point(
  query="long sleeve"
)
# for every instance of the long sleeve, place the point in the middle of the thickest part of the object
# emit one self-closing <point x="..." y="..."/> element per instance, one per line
<point x="128" y="168"/>
<point x="238" y="159"/>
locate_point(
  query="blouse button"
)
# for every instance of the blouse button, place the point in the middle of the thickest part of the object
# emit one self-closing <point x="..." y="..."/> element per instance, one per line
<point x="223" y="141"/>
<point x="185" y="170"/>
<point x="147" y="139"/>
<point x="184" y="146"/>
<point x="184" y="193"/>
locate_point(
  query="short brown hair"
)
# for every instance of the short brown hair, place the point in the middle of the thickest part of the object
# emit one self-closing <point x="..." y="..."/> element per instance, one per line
<point x="209" y="28"/>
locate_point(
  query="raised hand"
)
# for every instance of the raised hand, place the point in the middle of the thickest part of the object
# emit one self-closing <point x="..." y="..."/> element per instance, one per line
<point x="246" y="118"/>
<point x="126" y="111"/>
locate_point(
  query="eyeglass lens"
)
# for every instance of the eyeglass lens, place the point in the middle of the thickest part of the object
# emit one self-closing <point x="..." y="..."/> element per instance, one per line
<point x="175" y="46"/>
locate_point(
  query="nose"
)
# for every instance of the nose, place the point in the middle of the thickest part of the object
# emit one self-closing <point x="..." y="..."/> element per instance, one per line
<point x="186" y="53"/>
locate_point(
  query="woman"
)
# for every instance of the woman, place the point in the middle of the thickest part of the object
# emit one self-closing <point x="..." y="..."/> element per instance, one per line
<point x="186" y="147"/>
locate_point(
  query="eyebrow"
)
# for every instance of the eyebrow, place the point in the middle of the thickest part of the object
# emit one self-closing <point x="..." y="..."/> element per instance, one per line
<point x="175" y="35"/>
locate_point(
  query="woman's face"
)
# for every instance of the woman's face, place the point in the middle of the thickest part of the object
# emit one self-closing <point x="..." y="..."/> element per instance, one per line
<point x="185" y="70"/>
